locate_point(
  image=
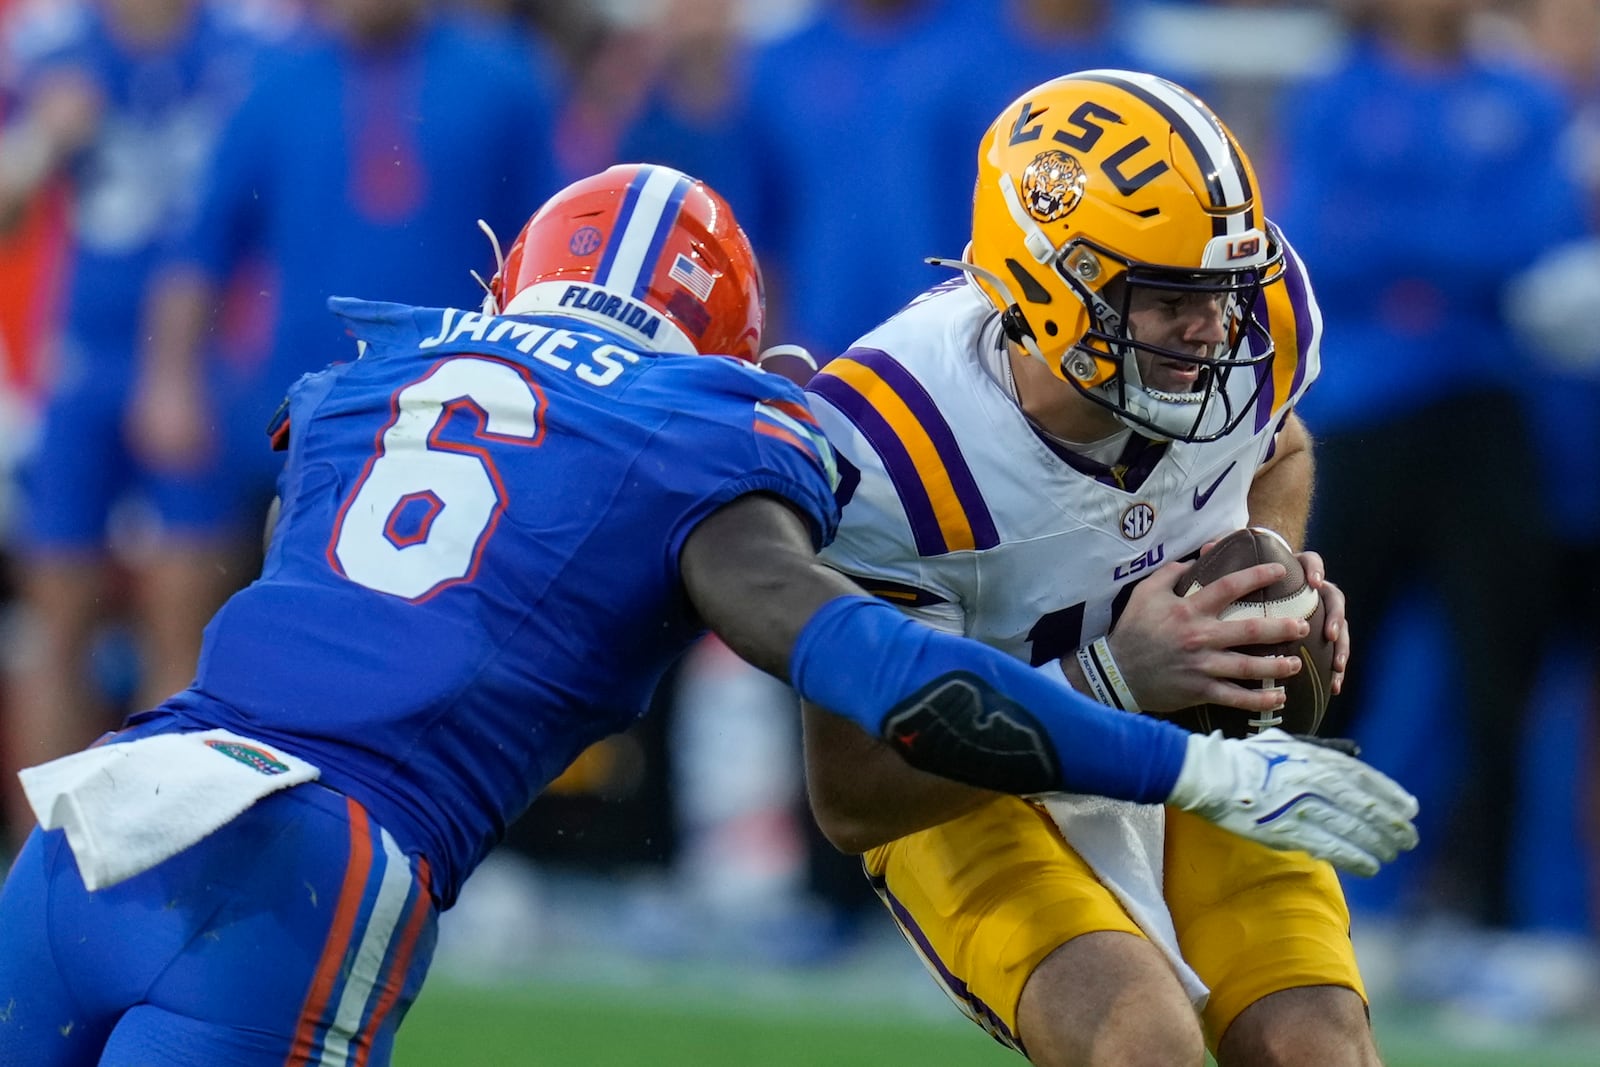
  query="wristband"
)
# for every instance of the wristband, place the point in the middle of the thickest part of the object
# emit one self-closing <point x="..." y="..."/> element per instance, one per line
<point x="1105" y="678"/>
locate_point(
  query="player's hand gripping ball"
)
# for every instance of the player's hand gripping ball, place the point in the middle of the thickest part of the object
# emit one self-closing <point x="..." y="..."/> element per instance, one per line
<point x="1308" y="690"/>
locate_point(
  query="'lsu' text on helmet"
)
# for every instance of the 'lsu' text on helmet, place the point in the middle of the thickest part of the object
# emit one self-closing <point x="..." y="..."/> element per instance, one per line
<point x="1096" y="184"/>
<point x="645" y="251"/>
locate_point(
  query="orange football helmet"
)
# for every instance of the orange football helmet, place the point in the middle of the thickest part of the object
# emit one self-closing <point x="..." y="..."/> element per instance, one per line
<point x="646" y="252"/>
<point x="1095" y="184"/>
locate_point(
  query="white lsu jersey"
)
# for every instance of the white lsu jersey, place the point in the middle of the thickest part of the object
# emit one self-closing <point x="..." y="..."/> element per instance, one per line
<point x="956" y="508"/>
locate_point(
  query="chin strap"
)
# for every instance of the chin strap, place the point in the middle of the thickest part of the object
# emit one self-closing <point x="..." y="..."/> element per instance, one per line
<point x="1012" y="320"/>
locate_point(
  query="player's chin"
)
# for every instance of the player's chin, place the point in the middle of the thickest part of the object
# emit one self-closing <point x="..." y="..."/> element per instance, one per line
<point x="1174" y="379"/>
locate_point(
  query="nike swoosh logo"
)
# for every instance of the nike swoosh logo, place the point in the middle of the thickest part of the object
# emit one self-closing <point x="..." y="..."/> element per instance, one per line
<point x="1200" y="498"/>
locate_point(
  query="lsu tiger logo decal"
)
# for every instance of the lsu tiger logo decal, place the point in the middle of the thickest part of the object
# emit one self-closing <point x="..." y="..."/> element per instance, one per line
<point x="1052" y="185"/>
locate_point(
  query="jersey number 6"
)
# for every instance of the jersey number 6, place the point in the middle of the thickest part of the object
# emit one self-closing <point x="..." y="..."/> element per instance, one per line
<point x="424" y="507"/>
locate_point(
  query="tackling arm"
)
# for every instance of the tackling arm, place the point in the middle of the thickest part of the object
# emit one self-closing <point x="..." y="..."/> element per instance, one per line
<point x="959" y="709"/>
<point x="946" y="705"/>
<point x="863" y="794"/>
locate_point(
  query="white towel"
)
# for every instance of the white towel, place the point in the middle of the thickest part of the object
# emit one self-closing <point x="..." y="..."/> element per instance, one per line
<point x="1123" y="842"/>
<point x="126" y="807"/>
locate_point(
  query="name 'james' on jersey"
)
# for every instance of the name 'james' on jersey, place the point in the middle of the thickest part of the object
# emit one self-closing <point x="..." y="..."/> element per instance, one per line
<point x="471" y="548"/>
<point x="959" y="510"/>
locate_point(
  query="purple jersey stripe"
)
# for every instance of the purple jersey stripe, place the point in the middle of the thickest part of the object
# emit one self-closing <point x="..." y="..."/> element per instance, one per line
<point x="1264" y="370"/>
<point x="899" y="594"/>
<point x="927" y="413"/>
<point x="1304" y="329"/>
<point x="880" y="435"/>
<point x="955" y="986"/>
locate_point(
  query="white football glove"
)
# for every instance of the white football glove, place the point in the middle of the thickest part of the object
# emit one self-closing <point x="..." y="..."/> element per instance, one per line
<point x="1297" y="795"/>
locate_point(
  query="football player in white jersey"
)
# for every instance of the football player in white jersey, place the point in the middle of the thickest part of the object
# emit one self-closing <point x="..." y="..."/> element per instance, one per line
<point x="1029" y="451"/>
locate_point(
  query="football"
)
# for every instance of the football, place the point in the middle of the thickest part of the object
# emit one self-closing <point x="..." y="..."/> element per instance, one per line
<point x="1307" y="692"/>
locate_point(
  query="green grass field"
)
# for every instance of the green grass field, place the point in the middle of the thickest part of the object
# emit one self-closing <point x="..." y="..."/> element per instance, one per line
<point x="572" y="1028"/>
<point x="562" y="1025"/>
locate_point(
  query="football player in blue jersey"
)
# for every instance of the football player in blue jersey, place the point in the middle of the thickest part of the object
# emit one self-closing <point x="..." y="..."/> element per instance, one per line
<point x="497" y="530"/>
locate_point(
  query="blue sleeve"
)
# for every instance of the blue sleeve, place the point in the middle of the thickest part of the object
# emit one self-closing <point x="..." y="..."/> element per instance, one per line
<point x="765" y="441"/>
<point x="960" y="709"/>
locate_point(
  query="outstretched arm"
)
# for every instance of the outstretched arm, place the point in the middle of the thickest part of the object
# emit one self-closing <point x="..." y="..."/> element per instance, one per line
<point x="961" y="710"/>
<point x="949" y="706"/>
<point x="863" y="794"/>
<point x="752" y="573"/>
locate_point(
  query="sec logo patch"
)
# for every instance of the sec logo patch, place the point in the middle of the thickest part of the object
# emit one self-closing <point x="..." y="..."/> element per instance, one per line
<point x="1138" y="520"/>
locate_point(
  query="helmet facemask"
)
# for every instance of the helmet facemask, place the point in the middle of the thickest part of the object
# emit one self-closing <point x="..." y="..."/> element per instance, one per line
<point x="1104" y="365"/>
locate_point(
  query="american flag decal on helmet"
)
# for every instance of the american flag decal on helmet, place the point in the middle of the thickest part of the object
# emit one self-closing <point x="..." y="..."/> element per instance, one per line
<point x="692" y="276"/>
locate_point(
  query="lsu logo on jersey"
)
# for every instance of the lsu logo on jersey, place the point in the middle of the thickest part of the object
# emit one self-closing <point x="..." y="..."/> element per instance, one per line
<point x="1139" y="564"/>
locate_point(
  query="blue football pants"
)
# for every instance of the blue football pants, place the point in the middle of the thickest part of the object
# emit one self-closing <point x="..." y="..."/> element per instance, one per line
<point x="296" y="935"/>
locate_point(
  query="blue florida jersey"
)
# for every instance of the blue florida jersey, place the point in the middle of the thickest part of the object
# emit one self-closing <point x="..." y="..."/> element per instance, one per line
<point x="474" y="574"/>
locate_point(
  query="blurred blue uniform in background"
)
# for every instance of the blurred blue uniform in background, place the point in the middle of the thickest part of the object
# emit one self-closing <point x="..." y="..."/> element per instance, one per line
<point x="863" y="163"/>
<point x="1419" y="184"/>
<point x="1406" y="285"/>
<point x="364" y="168"/>
<point x="132" y="190"/>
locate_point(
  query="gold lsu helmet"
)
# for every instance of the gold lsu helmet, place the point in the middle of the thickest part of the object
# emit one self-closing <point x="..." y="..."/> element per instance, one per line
<point x="1094" y="185"/>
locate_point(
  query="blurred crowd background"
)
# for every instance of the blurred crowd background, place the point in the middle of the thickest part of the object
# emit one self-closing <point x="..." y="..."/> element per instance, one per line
<point x="184" y="182"/>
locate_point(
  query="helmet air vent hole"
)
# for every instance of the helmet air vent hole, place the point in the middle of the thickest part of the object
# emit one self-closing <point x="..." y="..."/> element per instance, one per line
<point x="1032" y="291"/>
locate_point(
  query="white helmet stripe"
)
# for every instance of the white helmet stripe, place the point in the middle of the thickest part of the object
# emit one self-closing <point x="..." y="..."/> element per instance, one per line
<point x="648" y="214"/>
<point x="1201" y="131"/>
